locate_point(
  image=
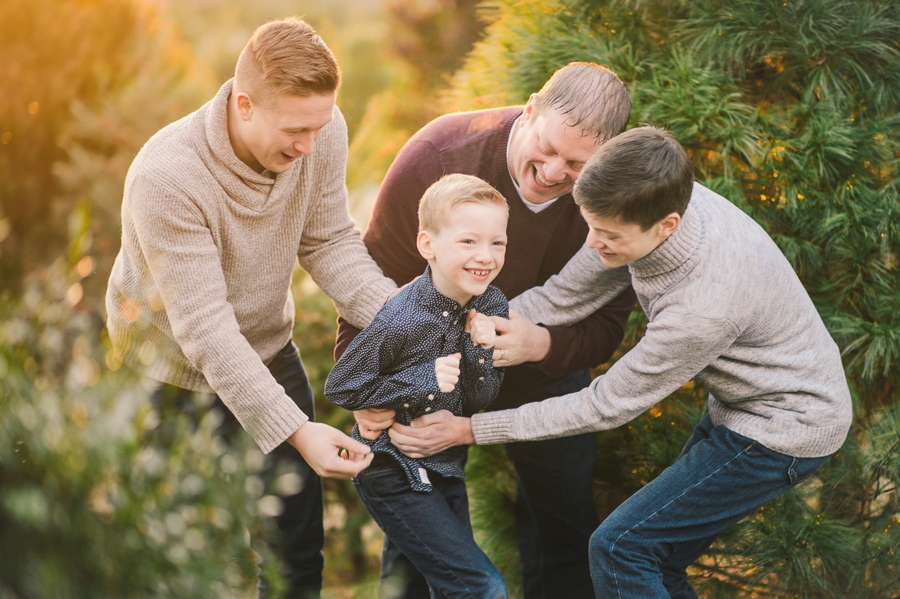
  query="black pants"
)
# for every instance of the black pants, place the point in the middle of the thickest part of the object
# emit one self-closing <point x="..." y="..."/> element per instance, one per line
<point x="299" y="535"/>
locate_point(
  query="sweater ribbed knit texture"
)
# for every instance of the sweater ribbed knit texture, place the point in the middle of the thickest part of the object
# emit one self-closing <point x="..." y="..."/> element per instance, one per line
<point x="724" y="306"/>
<point x="199" y="295"/>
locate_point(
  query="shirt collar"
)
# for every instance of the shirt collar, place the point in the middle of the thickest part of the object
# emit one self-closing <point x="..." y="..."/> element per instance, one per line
<point x="429" y="299"/>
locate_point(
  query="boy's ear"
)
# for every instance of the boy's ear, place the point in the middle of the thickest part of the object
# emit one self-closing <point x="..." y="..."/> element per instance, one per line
<point x="423" y="244"/>
<point x="668" y="225"/>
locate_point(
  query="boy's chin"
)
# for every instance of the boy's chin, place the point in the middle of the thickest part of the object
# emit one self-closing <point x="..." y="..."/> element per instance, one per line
<point x="478" y="289"/>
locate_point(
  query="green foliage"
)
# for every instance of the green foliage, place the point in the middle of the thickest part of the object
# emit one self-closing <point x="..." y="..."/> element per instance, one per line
<point x="426" y="41"/>
<point x="790" y="110"/>
<point x="83" y="86"/>
<point x="492" y="510"/>
<point x="89" y="506"/>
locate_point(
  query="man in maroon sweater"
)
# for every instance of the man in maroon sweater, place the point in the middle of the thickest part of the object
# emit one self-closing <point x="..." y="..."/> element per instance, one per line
<point x="532" y="155"/>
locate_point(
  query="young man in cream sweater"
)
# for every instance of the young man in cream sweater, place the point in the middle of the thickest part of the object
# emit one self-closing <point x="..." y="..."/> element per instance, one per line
<point x="217" y="209"/>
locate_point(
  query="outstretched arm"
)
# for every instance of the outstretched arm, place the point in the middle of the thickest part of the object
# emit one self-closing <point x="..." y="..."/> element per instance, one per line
<point x="581" y="288"/>
<point x="674" y="349"/>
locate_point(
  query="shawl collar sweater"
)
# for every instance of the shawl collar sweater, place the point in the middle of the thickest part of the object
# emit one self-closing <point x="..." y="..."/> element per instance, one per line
<point x="723" y="305"/>
<point x="199" y="295"/>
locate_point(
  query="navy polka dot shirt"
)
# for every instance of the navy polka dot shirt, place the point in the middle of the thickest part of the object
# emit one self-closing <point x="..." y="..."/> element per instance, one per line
<point x="390" y="364"/>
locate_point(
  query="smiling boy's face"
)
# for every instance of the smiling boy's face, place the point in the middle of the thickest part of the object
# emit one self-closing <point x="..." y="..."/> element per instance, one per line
<point x="468" y="251"/>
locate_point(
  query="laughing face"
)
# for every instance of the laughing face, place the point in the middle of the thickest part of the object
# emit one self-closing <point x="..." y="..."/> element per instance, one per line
<point x="619" y="243"/>
<point x="273" y="137"/>
<point x="546" y="154"/>
<point x="468" y="252"/>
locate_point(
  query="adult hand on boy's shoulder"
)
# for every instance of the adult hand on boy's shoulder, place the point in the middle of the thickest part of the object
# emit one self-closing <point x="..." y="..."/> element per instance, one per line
<point x="372" y="421"/>
<point x="329" y="452"/>
<point x="431" y="434"/>
<point x="519" y="341"/>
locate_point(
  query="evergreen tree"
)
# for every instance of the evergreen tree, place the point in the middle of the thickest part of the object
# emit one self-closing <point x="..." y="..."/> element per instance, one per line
<point x="790" y="110"/>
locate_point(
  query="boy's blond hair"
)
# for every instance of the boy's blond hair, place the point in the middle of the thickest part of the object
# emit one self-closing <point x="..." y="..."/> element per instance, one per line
<point x="286" y="57"/>
<point x="450" y="191"/>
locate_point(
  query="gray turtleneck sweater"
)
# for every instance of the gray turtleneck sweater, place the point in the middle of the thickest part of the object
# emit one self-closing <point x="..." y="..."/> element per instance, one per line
<point x="199" y="295"/>
<point x="724" y="306"/>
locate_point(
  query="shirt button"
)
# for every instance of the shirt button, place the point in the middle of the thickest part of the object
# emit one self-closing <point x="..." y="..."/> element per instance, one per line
<point x="481" y="360"/>
<point x="406" y="405"/>
<point x="427" y="409"/>
<point x="431" y="396"/>
<point x="446" y="313"/>
<point x="481" y="378"/>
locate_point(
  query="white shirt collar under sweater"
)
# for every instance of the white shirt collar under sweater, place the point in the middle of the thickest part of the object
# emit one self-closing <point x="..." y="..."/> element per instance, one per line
<point x="677" y="256"/>
<point x="242" y="184"/>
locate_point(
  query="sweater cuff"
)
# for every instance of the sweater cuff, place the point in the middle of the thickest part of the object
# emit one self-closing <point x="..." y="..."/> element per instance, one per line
<point x="492" y="427"/>
<point x="277" y="426"/>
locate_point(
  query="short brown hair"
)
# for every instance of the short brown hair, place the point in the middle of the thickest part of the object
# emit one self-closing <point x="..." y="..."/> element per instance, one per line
<point x="286" y="57"/>
<point x="591" y="96"/>
<point x="640" y="176"/>
<point x="450" y="191"/>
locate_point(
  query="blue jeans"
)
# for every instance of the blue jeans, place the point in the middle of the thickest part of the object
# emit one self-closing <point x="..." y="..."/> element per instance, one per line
<point x="642" y="550"/>
<point x="555" y="512"/>
<point x="432" y="530"/>
<point x="299" y="534"/>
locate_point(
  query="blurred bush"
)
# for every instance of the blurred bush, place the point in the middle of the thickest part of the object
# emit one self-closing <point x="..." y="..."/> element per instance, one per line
<point x="89" y="507"/>
<point x="84" y="85"/>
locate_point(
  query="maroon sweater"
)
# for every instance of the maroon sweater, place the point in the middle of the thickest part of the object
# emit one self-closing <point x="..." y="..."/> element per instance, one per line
<point x="539" y="245"/>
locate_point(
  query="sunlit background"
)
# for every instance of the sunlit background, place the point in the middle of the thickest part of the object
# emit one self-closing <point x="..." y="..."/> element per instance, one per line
<point x="789" y="109"/>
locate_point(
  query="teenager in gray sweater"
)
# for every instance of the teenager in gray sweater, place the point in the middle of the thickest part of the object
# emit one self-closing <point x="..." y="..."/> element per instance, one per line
<point x="724" y="306"/>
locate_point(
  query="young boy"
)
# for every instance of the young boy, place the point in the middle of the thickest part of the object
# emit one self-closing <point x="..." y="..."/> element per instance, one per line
<point x="429" y="349"/>
<point x="724" y="306"/>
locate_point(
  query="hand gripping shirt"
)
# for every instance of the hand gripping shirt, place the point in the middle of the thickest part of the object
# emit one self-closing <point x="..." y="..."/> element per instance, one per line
<point x="390" y="364"/>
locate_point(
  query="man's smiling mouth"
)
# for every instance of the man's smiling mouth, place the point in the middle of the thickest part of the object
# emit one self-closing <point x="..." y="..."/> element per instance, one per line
<point x="543" y="181"/>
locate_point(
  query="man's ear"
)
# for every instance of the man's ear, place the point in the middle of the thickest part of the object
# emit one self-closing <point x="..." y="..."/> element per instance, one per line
<point x="668" y="225"/>
<point x="244" y="105"/>
<point x="423" y="244"/>
<point x="528" y="111"/>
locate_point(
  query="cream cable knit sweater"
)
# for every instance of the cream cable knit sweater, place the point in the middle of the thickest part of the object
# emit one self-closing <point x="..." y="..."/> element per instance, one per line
<point x="199" y="295"/>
